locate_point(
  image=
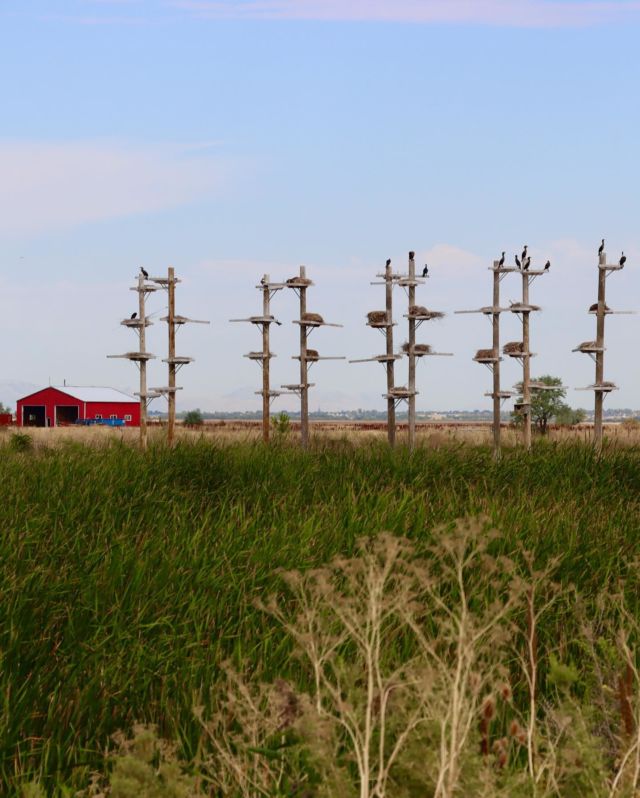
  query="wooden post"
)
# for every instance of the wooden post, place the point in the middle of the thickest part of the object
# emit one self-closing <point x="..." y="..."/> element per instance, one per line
<point x="496" y="365"/>
<point x="412" y="357"/>
<point x="266" y="359"/>
<point x="304" y="382"/>
<point x="599" y="395"/>
<point x="391" y="402"/>
<point x="143" y="363"/>
<point x="526" y="362"/>
<point x="171" y="397"/>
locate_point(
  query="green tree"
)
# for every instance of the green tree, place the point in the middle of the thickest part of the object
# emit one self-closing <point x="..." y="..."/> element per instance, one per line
<point x="4" y="408"/>
<point x="567" y="416"/>
<point x="546" y="404"/>
<point x="193" y="418"/>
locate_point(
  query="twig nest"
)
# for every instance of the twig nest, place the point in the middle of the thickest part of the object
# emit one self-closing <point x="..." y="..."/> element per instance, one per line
<point x="595" y="307"/>
<point x="485" y="354"/>
<point x="606" y="385"/>
<point x="421" y="349"/>
<point x="513" y="348"/>
<point x="312" y="354"/>
<point x="377" y="316"/>
<point x="420" y="310"/>
<point x="522" y="306"/>
<point x="588" y="345"/>
<point x="316" y="317"/>
<point x="298" y="281"/>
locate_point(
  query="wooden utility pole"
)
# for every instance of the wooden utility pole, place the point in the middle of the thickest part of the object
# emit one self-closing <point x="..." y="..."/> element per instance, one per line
<point x="526" y="361"/>
<point x="142" y="363"/>
<point x="390" y="364"/>
<point x="307" y="322"/>
<point x="266" y="360"/>
<point x="596" y="349"/>
<point x="497" y="400"/>
<point x="268" y="289"/>
<point x="171" y="324"/>
<point x="491" y="357"/>
<point x="600" y="316"/>
<point x="411" y="354"/>
<point x="304" y="368"/>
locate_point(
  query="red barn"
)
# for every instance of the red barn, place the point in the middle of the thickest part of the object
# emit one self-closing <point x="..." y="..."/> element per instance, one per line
<point x="59" y="407"/>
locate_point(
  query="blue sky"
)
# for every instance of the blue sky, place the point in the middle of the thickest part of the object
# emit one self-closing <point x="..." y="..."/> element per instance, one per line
<point x="229" y="139"/>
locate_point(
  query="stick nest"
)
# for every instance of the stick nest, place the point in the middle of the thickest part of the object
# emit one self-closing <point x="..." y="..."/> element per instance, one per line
<point x="298" y="281"/>
<point x="595" y="307"/>
<point x="419" y="349"/>
<point x="377" y="316"/>
<point x="485" y="354"/>
<point x="588" y="345"/>
<point x="513" y="348"/>
<point x="606" y="385"/>
<point x="312" y="354"/>
<point x="522" y="306"/>
<point x="312" y="317"/>
<point x="420" y="310"/>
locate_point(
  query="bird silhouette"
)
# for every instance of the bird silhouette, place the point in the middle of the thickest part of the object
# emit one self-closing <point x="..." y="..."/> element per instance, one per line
<point x="145" y="273"/>
<point x="547" y="266"/>
<point x="425" y="271"/>
<point x="601" y="250"/>
<point x="133" y="315"/>
<point x="501" y="261"/>
<point x="524" y="253"/>
<point x="518" y="264"/>
<point x="262" y="281"/>
<point x="623" y="259"/>
<point x="527" y="263"/>
<point x="388" y="263"/>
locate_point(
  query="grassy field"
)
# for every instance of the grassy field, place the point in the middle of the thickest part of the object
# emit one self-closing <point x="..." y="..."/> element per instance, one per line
<point x="128" y="579"/>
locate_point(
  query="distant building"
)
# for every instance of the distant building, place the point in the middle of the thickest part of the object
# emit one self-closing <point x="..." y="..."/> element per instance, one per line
<point x="67" y="405"/>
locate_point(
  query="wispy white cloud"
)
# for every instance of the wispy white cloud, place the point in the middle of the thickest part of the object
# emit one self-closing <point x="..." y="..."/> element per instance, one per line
<point x="49" y="186"/>
<point x="511" y="13"/>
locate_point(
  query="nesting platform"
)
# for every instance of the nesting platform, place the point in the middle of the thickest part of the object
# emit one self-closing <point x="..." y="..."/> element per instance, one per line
<point x="259" y="320"/>
<point x="400" y="393"/>
<point x="486" y="357"/>
<point x="409" y="282"/>
<point x="520" y="307"/>
<point x="603" y="387"/>
<point x="489" y="310"/>
<point x="272" y="286"/>
<point x="378" y="359"/>
<point x="165" y="281"/>
<point x="259" y="356"/>
<point x="178" y="360"/>
<point x="316" y="358"/>
<point x="298" y="282"/>
<point x="312" y="323"/>
<point x="147" y="288"/>
<point x="166" y="390"/>
<point x="136" y="324"/>
<point x="501" y="394"/>
<point x="186" y="320"/>
<point x="297" y="388"/>
<point x="149" y="395"/>
<point x="138" y="357"/>
<point x="589" y="348"/>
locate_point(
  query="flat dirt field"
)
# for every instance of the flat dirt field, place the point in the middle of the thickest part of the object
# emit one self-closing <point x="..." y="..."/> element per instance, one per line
<point x="430" y="434"/>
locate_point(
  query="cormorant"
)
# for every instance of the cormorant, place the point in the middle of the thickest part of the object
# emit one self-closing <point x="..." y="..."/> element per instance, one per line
<point x="425" y="271"/>
<point x="145" y="273"/>
<point x="601" y="250"/>
<point x="518" y="264"/>
<point x="262" y="281"/>
<point x="547" y="266"/>
<point x="501" y="261"/>
<point x="524" y="253"/>
<point x="623" y="259"/>
<point x="388" y="263"/>
<point x="527" y="263"/>
<point x="133" y="315"/>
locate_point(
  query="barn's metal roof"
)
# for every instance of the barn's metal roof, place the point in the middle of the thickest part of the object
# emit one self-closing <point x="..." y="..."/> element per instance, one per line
<point x="95" y="394"/>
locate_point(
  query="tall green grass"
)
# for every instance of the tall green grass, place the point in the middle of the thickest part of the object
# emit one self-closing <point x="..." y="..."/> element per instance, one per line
<point x="127" y="579"/>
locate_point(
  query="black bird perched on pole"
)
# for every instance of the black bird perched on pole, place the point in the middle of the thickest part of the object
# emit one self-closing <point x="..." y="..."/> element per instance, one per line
<point x="133" y="315"/>
<point x="623" y="259"/>
<point x="501" y="261"/>
<point x="601" y="250"/>
<point x="527" y="263"/>
<point x="388" y="263"/>
<point x="518" y="264"/>
<point x="524" y="253"/>
<point x="262" y="281"/>
<point x="547" y="266"/>
<point x="145" y="273"/>
<point x="425" y="271"/>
